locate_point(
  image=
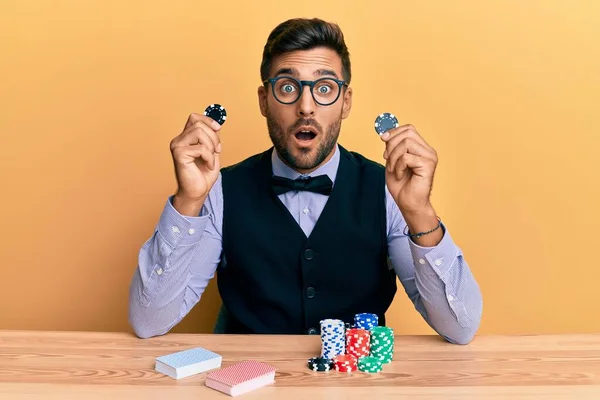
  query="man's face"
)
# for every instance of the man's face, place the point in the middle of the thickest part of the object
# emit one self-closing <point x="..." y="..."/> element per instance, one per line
<point x="289" y="124"/>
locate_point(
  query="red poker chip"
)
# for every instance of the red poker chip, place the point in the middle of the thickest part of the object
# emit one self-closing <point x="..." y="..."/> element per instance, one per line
<point x="358" y="342"/>
<point x="346" y="368"/>
<point x="345" y="363"/>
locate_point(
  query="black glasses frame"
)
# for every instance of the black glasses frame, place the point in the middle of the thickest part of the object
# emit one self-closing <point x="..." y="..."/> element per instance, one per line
<point x="310" y="84"/>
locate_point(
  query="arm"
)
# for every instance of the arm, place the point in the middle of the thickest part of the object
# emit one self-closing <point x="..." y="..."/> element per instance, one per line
<point x="175" y="265"/>
<point x="437" y="279"/>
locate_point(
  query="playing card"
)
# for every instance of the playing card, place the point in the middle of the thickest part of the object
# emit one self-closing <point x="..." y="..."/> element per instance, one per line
<point x="241" y="378"/>
<point x="188" y="362"/>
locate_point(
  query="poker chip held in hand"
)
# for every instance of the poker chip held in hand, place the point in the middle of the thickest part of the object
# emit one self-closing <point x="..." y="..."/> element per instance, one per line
<point x="384" y="122"/>
<point x="216" y="112"/>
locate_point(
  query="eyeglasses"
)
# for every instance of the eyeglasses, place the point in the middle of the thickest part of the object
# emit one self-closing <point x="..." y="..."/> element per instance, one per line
<point x="287" y="89"/>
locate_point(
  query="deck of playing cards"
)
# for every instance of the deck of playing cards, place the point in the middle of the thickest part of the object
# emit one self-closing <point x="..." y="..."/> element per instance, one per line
<point x="188" y="362"/>
<point x="241" y="378"/>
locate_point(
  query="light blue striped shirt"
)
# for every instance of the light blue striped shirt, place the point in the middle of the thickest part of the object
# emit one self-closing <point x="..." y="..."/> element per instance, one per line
<point x="177" y="262"/>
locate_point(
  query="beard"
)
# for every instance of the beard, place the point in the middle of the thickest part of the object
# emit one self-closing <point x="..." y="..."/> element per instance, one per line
<point x="307" y="158"/>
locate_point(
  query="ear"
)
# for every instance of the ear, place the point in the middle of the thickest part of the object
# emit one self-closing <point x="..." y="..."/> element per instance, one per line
<point x="347" y="105"/>
<point x="262" y="100"/>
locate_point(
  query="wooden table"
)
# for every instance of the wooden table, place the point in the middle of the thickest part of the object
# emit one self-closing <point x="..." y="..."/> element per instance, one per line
<point x="89" y="365"/>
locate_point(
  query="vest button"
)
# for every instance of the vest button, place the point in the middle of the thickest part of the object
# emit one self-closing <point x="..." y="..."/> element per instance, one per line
<point x="310" y="292"/>
<point x="309" y="254"/>
<point x="312" y="331"/>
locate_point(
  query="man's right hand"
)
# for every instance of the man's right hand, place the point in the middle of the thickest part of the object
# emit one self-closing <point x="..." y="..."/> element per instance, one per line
<point x="195" y="153"/>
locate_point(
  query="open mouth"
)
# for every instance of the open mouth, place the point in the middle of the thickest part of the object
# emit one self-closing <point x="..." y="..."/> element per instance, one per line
<point x="305" y="134"/>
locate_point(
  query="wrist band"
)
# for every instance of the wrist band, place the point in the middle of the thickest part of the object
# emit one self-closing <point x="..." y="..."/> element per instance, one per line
<point x="418" y="235"/>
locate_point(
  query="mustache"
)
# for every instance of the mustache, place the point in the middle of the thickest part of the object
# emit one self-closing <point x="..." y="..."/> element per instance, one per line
<point x="306" y="122"/>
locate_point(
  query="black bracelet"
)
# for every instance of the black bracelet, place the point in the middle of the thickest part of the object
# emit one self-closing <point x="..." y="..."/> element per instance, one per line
<point x="418" y="235"/>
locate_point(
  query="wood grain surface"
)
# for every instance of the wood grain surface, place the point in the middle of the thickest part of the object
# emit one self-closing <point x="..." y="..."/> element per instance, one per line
<point x="94" y="365"/>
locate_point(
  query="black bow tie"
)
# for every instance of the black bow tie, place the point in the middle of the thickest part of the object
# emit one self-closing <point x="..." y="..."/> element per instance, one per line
<point x="318" y="184"/>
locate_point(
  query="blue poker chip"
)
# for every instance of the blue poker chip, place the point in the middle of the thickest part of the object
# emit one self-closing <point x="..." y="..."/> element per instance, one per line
<point x="366" y="320"/>
<point x="384" y="122"/>
<point x="216" y="112"/>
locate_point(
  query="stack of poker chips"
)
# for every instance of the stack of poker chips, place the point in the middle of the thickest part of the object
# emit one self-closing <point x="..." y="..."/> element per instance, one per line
<point x="370" y="364"/>
<point x="366" y="321"/>
<point x="345" y="363"/>
<point x="382" y="343"/>
<point x="358" y="342"/>
<point x="333" y="342"/>
<point x="320" y="364"/>
<point x="346" y="347"/>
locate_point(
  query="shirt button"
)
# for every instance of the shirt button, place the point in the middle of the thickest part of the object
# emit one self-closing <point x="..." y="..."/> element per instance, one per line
<point x="421" y="261"/>
<point x="175" y="229"/>
<point x="309" y="254"/>
<point x="159" y="271"/>
<point x="305" y="211"/>
<point x="310" y="292"/>
<point x="438" y="262"/>
<point x="191" y="231"/>
<point x="312" y="331"/>
<point x="450" y="297"/>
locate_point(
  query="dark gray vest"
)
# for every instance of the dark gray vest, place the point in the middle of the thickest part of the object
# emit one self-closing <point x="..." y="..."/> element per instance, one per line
<point x="275" y="280"/>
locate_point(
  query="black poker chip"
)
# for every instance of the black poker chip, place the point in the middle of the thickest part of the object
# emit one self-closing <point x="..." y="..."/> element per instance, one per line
<point x="384" y="122"/>
<point x="320" y="364"/>
<point x="216" y="112"/>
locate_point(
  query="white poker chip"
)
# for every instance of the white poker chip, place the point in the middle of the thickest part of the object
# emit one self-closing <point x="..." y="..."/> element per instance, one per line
<point x="384" y="122"/>
<point x="216" y="112"/>
<point x="333" y="341"/>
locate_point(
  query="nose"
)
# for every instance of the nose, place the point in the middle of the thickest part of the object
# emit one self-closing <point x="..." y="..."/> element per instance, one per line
<point x="306" y="103"/>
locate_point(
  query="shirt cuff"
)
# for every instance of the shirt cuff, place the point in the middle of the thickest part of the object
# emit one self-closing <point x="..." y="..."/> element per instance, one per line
<point x="181" y="230"/>
<point x="440" y="257"/>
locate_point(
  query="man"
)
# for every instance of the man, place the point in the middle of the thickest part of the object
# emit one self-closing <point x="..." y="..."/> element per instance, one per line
<point x="306" y="230"/>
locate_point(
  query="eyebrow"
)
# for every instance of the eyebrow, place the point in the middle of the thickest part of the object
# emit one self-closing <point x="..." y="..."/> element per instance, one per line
<point x="294" y="72"/>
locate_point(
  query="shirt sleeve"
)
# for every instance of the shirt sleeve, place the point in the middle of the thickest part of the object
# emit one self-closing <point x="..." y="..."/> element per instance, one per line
<point x="437" y="280"/>
<point x="175" y="266"/>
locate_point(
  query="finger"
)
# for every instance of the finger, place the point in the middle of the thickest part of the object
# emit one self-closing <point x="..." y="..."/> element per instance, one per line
<point x="213" y="136"/>
<point x="401" y="132"/>
<point x="205" y="135"/>
<point x="405" y="130"/>
<point x="410" y="163"/>
<point x="193" y="135"/>
<point x="217" y="163"/>
<point x="407" y="145"/>
<point x="390" y="134"/>
<point x="192" y="119"/>
<point x="195" y="117"/>
<point x="208" y="157"/>
<point x="188" y="154"/>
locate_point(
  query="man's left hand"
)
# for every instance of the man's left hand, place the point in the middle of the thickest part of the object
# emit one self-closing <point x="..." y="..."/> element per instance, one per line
<point x="410" y="166"/>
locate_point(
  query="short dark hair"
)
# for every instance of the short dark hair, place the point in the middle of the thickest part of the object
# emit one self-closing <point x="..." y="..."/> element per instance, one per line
<point x="305" y="34"/>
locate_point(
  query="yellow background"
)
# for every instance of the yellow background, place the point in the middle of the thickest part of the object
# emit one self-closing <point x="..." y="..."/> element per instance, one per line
<point x="91" y="93"/>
